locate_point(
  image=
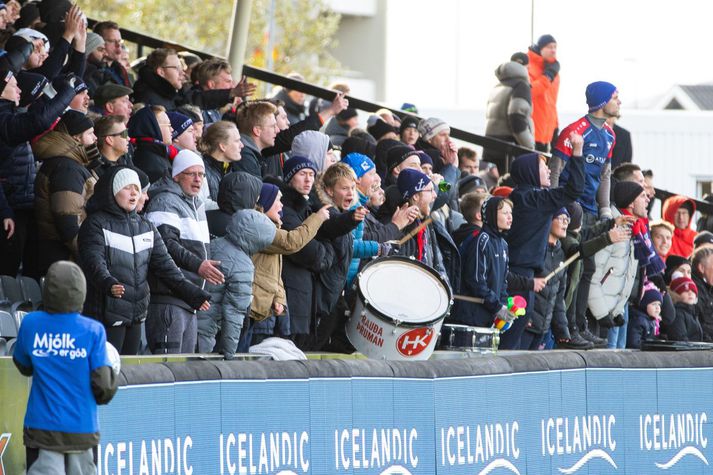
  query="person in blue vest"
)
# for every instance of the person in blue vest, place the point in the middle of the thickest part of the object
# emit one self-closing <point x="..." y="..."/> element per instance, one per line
<point x="66" y="355"/>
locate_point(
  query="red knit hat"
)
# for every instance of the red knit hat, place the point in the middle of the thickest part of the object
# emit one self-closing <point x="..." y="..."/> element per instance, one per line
<point x="683" y="284"/>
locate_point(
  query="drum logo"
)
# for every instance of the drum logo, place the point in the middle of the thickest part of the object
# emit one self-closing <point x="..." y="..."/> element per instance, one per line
<point x="413" y="342"/>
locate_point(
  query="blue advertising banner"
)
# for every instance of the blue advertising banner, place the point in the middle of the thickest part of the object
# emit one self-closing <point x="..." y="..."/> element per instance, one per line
<point x="578" y="421"/>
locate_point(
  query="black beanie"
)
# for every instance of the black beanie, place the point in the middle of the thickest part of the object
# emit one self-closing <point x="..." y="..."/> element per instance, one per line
<point x="75" y="122"/>
<point x="31" y="86"/>
<point x="379" y="128"/>
<point x="703" y="237"/>
<point x="625" y="192"/>
<point x="398" y="154"/>
<point x="521" y="58"/>
<point x="673" y="262"/>
<point x="347" y="114"/>
<point x="544" y="40"/>
<point x="357" y="145"/>
<point x="575" y="215"/>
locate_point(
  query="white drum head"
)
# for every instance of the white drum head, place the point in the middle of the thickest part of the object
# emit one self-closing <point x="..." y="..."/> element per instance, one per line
<point x="404" y="291"/>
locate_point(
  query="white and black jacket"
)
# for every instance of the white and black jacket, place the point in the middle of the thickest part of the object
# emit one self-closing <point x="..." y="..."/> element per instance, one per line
<point x="116" y="247"/>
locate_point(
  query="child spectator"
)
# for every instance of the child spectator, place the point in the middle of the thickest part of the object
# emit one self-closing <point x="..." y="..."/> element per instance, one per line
<point x="684" y="293"/>
<point x="645" y="319"/>
<point x="485" y="267"/>
<point x="248" y="233"/>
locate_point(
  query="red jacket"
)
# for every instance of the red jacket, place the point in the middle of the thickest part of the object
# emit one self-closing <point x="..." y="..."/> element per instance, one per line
<point x="544" y="98"/>
<point x="682" y="242"/>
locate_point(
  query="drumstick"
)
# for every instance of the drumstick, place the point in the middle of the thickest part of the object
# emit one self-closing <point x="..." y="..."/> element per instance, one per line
<point x="468" y="299"/>
<point x="401" y="241"/>
<point x="563" y="265"/>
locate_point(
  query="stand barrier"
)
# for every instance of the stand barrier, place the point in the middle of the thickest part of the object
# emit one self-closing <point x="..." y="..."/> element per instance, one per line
<point x="560" y="412"/>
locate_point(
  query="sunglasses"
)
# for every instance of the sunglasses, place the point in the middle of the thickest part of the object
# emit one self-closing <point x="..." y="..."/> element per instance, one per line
<point x="124" y="134"/>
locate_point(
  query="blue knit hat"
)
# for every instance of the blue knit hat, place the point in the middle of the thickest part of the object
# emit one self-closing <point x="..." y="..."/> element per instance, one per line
<point x="295" y="164"/>
<point x="598" y="94"/>
<point x="425" y="158"/>
<point x="268" y="194"/>
<point x="361" y="164"/>
<point x="179" y="123"/>
<point x="560" y="212"/>
<point x="651" y="295"/>
<point x="544" y="40"/>
<point x="410" y="182"/>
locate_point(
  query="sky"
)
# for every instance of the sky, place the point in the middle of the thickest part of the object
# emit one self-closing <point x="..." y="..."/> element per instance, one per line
<point x="643" y="47"/>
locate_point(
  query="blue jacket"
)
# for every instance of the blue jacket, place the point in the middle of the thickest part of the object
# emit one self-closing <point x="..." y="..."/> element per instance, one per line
<point x="484" y="271"/>
<point x="641" y="327"/>
<point x="533" y="208"/>
<point x="362" y="249"/>
<point x="17" y="165"/>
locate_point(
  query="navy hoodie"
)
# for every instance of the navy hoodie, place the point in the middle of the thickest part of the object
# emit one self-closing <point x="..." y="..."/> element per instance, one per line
<point x="151" y="154"/>
<point x="533" y="208"/>
<point x="484" y="271"/>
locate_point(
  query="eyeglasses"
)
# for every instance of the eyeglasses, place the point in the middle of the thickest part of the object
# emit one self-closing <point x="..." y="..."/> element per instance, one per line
<point x="124" y="134"/>
<point x="194" y="175"/>
<point x="116" y="42"/>
<point x="563" y="219"/>
<point x="171" y="67"/>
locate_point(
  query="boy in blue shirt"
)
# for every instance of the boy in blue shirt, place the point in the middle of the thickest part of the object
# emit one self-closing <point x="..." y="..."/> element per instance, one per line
<point x="65" y="353"/>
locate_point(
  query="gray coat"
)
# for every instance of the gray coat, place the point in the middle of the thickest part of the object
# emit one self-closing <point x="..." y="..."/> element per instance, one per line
<point x="509" y="109"/>
<point x="248" y="233"/>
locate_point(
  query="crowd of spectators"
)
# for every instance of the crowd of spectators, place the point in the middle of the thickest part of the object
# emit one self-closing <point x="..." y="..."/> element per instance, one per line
<point x="208" y="220"/>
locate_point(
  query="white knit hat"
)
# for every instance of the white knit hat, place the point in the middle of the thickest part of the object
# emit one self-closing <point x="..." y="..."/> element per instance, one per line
<point x="123" y="178"/>
<point x="184" y="160"/>
<point x="431" y="127"/>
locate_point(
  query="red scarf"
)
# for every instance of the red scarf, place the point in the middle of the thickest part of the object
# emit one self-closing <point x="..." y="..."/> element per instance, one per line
<point x="421" y="242"/>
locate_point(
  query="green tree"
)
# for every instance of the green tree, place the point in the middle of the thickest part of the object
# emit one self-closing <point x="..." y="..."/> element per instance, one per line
<point x="302" y="36"/>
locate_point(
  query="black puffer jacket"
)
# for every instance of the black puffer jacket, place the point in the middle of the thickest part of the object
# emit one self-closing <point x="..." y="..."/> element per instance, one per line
<point x="17" y="163"/>
<point x="549" y="302"/>
<point x="117" y="247"/>
<point x="152" y="156"/>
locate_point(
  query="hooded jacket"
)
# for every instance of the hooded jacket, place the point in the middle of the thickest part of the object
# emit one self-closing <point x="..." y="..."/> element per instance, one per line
<point x="249" y="232"/>
<point x="215" y="171"/>
<point x="152" y="89"/>
<point x="336" y="132"/>
<point x="549" y="308"/>
<point x="510" y="105"/>
<point x="62" y="187"/>
<point x="61" y="411"/>
<point x="119" y="247"/>
<point x="640" y="327"/>
<point x="682" y="242"/>
<point x="151" y="154"/>
<point x="181" y="221"/>
<point x="484" y="271"/>
<point x="237" y="190"/>
<point x="251" y="160"/>
<point x="610" y="286"/>
<point x="544" y="98"/>
<point x="17" y="167"/>
<point x="533" y="208"/>
<point x="312" y="145"/>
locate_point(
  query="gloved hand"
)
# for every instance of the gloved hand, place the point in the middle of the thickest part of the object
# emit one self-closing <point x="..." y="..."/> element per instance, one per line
<point x="619" y="320"/>
<point x="552" y="69"/>
<point x="385" y="249"/>
<point x="505" y="315"/>
<point x="606" y="322"/>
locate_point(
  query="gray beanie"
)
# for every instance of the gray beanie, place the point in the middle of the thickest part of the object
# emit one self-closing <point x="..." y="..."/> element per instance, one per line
<point x="65" y="288"/>
<point x="93" y="42"/>
<point x="429" y="128"/>
<point x="125" y="177"/>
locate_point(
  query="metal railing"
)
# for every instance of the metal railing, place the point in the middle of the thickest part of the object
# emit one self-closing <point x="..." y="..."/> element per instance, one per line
<point x="511" y="149"/>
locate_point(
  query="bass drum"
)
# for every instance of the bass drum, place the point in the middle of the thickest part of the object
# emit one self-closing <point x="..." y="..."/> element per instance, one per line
<point x="399" y="309"/>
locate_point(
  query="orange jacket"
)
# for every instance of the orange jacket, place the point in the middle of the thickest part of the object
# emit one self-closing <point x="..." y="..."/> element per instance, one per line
<point x="682" y="242"/>
<point x="544" y="98"/>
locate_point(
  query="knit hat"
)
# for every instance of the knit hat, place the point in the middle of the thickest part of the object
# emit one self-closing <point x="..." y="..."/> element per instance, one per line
<point x="94" y="41"/>
<point x="429" y="128"/>
<point x="598" y="94"/>
<point x="361" y="164"/>
<point x="357" y="145"/>
<point x="179" y="123"/>
<point x="703" y="237"/>
<point x="65" y="288"/>
<point x="521" y="58"/>
<point x="410" y="182"/>
<point x="185" y="160"/>
<point x="31" y="86"/>
<point x="377" y="127"/>
<point x="6" y="76"/>
<point x="398" y="154"/>
<point x="123" y="178"/>
<point x="683" y="284"/>
<point x="625" y="192"/>
<point x="408" y="107"/>
<point x="28" y="13"/>
<point x="347" y="114"/>
<point x="74" y="122"/>
<point x="560" y="212"/>
<point x="295" y="164"/>
<point x="673" y="262"/>
<point x="651" y="295"/>
<point x="409" y="122"/>
<point x="469" y="183"/>
<point x="575" y="215"/>
<point x="424" y="157"/>
<point x="544" y="40"/>
<point x="268" y="194"/>
<point x="110" y="91"/>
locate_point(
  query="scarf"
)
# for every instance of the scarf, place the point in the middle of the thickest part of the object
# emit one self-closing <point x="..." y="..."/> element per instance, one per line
<point x="643" y="247"/>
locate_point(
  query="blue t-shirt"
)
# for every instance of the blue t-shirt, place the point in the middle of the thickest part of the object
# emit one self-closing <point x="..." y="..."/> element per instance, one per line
<point x="597" y="152"/>
<point x="62" y="350"/>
